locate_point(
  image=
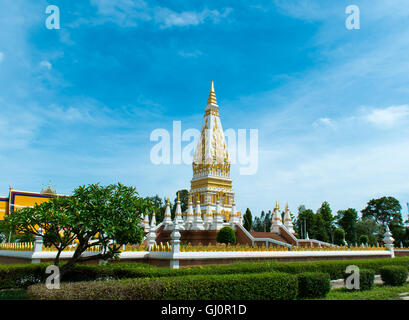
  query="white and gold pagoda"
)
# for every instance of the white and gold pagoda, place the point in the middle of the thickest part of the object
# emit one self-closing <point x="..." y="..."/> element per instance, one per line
<point x="211" y="186"/>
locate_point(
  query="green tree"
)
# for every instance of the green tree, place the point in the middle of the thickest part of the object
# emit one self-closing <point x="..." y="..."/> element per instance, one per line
<point x="384" y="210"/>
<point x="398" y="233"/>
<point x="347" y="220"/>
<point x="326" y="213"/>
<point x="248" y="220"/>
<point x="319" y="228"/>
<point x="305" y="222"/>
<point x="226" y="235"/>
<point x="363" y="239"/>
<point x="258" y="222"/>
<point x="339" y="236"/>
<point x="184" y="200"/>
<point x="158" y="205"/>
<point x="262" y="223"/>
<point x="369" y="227"/>
<point x="6" y="234"/>
<point x="93" y="216"/>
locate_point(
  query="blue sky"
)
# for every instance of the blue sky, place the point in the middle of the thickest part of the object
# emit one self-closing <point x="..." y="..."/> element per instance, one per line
<point x="77" y="105"/>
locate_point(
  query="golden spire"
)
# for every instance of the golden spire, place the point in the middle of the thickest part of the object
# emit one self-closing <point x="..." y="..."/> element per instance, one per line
<point x="212" y="95"/>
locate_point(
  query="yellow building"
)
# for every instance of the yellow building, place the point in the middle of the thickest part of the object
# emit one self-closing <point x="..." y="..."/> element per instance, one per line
<point x="4" y="207"/>
<point x="20" y="199"/>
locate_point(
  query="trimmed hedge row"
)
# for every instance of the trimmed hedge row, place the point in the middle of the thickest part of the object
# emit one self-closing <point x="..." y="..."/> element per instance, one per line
<point x="16" y="276"/>
<point x="313" y="285"/>
<point x="336" y="268"/>
<point x="21" y="275"/>
<point x="265" y="286"/>
<point x="394" y="275"/>
<point x="366" y="278"/>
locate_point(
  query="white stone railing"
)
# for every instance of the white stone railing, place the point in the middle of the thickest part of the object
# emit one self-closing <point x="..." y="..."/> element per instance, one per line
<point x="265" y="240"/>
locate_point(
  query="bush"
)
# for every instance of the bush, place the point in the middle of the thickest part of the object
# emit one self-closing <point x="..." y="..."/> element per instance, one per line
<point x="394" y="275"/>
<point x="21" y="275"/>
<point x="363" y="239"/>
<point x="366" y="278"/>
<point x="17" y="276"/>
<point x="264" y="286"/>
<point x="226" y="235"/>
<point x="336" y="268"/>
<point x="313" y="285"/>
<point x="339" y="236"/>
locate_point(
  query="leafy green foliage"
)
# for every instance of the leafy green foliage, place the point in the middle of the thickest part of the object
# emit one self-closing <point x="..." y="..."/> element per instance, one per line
<point x="93" y="216"/>
<point x="262" y="223"/>
<point x="248" y="220"/>
<point x="339" y="236"/>
<point x="363" y="239"/>
<point x="326" y="213"/>
<point x="318" y="225"/>
<point x="347" y="220"/>
<point x="265" y="286"/>
<point x="184" y="200"/>
<point x="394" y="275"/>
<point x="226" y="235"/>
<point x="21" y="275"/>
<point x="366" y="278"/>
<point x="384" y="210"/>
<point x="17" y="276"/>
<point x="13" y="294"/>
<point x="371" y="229"/>
<point x="313" y="285"/>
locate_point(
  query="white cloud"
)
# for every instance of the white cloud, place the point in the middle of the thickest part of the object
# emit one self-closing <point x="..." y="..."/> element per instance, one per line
<point x="190" y="54"/>
<point x="167" y="18"/>
<point x="129" y="13"/>
<point x="324" y="122"/>
<point x="388" y="117"/>
<point x="1" y="57"/>
<point x="46" y="64"/>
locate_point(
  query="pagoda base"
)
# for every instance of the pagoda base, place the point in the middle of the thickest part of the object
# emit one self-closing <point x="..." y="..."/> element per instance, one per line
<point x="194" y="237"/>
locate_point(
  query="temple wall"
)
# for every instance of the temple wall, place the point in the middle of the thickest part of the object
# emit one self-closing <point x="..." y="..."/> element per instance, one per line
<point x="165" y="262"/>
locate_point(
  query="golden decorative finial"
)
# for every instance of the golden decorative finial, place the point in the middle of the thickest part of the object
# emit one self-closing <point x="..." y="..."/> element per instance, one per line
<point x="286" y="207"/>
<point x="212" y="95"/>
<point x="178" y="196"/>
<point x="48" y="189"/>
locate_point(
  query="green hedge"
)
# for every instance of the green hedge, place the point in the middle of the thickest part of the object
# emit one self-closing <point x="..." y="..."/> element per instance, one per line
<point x="16" y="276"/>
<point x="394" y="275"/>
<point x="313" y="285"/>
<point x="264" y="286"/>
<point x="336" y="268"/>
<point x="366" y="278"/>
<point x="21" y="275"/>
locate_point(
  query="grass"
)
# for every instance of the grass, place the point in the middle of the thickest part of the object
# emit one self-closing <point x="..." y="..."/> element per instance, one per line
<point x="13" y="294"/>
<point x="378" y="292"/>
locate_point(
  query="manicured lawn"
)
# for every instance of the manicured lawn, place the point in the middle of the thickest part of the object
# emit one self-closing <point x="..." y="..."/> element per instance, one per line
<point x="378" y="292"/>
<point x="13" y="294"/>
